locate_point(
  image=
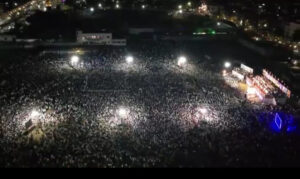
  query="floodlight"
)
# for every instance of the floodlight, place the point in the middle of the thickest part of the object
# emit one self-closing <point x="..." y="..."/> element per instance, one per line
<point x="129" y="59"/>
<point x="34" y="114"/>
<point x="74" y="60"/>
<point x="227" y="64"/>
<point x="203" y="110"/>
<point x="181" y="61"/>
<point x="122" y="112"/>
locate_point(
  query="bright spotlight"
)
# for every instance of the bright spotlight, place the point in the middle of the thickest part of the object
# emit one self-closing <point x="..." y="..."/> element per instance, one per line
<point x="218" y="23"/>
<point x="203" y="110"/>
<point x="92" y="9"/>
<point x="129" y="59"/>
<point x="227" y="64"/>
<point x="181" y="61"/>
<point x="34" y="114"/>
<point x="74" y="60"/>
<point x="122" y="112"/>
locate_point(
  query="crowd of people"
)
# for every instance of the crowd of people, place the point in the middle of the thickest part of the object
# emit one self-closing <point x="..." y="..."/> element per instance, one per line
<point x="106" y="112"/>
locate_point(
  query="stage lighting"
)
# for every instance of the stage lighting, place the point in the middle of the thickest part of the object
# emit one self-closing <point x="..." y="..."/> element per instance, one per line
<point x="129" y="59"/>
<point x="74" y="60"/>
<point x="227" y="64"/>
<point x="34" y="114"/>
<point x="181" y="61"/>
<point x="203" y="110"/>
<point x="122" y="112"/>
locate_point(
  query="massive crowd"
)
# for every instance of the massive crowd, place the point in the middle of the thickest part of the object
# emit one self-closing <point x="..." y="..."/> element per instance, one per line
<point x="106" y="112"/>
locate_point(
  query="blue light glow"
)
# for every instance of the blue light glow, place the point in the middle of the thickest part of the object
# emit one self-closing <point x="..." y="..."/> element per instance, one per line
<point x="278" y="121"/>
<point x="291" y="129"/>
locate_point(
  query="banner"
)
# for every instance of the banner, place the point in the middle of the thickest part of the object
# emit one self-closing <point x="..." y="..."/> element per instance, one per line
<point x="247" y="69"/>
<point x="238" y="75"/>
<point x="277" y="83"/>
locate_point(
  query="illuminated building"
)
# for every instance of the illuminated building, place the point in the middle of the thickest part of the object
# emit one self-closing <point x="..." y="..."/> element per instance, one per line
<point x="267" y="88"/>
